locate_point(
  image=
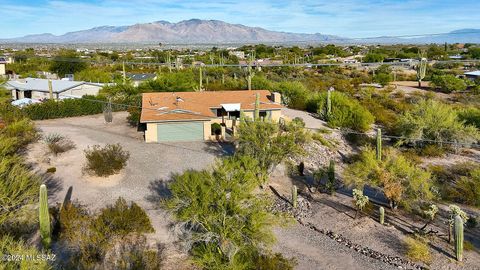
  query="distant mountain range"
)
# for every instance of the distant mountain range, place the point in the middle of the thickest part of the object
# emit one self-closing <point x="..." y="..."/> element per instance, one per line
<point x="197" y="31"/>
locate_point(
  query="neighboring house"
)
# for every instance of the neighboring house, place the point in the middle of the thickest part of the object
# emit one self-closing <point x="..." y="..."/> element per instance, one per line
<point x="38" y="89"/>
<point x="189" y="116"/>
<point x="472" y="75"/>
<point x="238" y="54"/>
<point x="138" y="78"/>
<point x="3" y="69"/>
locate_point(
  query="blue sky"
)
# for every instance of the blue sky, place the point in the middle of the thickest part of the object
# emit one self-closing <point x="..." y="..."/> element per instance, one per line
<point x="349" y="18"/>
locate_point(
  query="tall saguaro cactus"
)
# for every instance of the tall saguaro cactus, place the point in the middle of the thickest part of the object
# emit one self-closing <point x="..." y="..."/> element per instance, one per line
<point x="421" y="70"/>
<point x="257" y="106"/>
<point x="379" y="144"/>
<point x="329" y="102"/>
<point x="294" y="196"/>
<point x="44" y="218"/>
<point x="459" y="238"/>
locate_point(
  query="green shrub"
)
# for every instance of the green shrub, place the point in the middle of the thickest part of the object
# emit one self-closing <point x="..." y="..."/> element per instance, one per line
<point x="107" y="160"/>
<point x="432" y="150"/>
<point x="294" y="94"/>
<point x="122" y="219"/>
<point x="346" y="112"/>
<point x="87" y="105"/>
<point x="134" y="115"/>
<point x="448" y="83"/>
<point x="10" y="246"/>
<point x="417" y="249"/>
<point x="216" y="129"/>
<point x="112" y="239"/>
<point x="472" y="222"/>
<point x="437" y="122"/>
<point x="459" y="183"/>
<point x="58" y="144"/>
<point x="470" y="116"/>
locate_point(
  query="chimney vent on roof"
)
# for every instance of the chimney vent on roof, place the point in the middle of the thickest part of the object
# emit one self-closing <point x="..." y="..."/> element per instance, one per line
<point x="276" y="97"/>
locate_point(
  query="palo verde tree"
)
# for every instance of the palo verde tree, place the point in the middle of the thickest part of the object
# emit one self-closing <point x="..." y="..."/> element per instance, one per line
<point x="270" y="142"/>
<point x="431" y="120"/>
<point x="225" y="225"/>
<point x="401" y="181"/>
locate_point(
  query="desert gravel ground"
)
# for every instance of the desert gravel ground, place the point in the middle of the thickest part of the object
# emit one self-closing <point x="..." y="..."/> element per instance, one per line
<point x="317" y="251"/>
<point x="143" y="180"/>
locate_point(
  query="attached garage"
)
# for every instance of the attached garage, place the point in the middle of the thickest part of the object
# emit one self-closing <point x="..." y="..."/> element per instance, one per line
<point x="180" y="131"/>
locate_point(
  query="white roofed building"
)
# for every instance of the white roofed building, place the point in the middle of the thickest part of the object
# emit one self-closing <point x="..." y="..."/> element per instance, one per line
<point x="38" y="89"/>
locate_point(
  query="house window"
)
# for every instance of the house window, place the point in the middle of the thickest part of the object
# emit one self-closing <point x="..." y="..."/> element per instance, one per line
<point x="27" y="94"/>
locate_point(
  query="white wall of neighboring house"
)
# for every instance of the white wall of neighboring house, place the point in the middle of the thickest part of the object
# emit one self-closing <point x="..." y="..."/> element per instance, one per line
<point x="2" y="69"/>
<point x="82" y="90"/>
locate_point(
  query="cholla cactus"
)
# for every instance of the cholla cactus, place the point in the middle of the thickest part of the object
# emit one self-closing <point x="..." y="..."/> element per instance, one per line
<point x="360" y="200"/>
<point x="430" y="215"/>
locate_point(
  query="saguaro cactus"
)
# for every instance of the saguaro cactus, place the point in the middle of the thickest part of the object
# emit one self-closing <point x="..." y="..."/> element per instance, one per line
<point x="421" y="70"/>
<point x="44" y="217"/>
<point x="379" y="144"/>
<point x="459" y="238"/>
<point x="257" y="107"/>
<point x="329" y="103"/>
<point x="382" y="215"/>
<point x="294" y="196"/>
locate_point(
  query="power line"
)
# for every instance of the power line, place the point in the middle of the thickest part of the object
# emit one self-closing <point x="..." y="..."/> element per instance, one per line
<point x="473" y="145"/>
<point x="255" y="65"/>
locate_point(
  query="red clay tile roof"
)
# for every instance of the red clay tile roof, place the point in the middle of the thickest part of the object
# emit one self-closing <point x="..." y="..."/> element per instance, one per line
<point x="163" y="106"/>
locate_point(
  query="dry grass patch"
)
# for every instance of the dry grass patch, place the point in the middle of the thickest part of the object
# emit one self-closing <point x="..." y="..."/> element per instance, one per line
<point x="417" y="249"/>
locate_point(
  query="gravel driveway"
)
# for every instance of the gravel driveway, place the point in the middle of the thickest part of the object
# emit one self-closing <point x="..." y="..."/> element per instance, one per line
<point x="143" y="180"/>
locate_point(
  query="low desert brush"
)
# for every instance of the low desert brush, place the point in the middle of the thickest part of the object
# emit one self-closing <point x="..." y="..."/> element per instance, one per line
<point x="417" y="249"/>
<point x="107" y="160"/>
<point x="58" y="144"/>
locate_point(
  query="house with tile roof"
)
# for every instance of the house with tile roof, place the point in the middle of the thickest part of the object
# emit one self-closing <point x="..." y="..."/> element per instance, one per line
<point x="193" y="116"/>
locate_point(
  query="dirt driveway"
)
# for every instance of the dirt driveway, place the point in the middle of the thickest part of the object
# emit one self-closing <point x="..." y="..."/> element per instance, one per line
<point x="143" y="180"/>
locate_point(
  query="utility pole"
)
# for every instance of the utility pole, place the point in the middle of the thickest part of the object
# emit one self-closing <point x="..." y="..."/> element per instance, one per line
<point x="50" y="89"/>
<point x="169" y="62"/>
<point x="201" y="80"/>
<point x="123" y="73"/>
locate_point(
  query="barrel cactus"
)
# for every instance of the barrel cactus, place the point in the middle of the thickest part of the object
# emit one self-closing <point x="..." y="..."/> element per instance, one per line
<point x="459" y="238"/>
<point x="44" y="218"/>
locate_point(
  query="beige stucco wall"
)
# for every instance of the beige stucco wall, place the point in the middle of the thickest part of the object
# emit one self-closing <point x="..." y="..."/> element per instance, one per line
<point x="41" y="95"/>
<point x="276" y="115"/>
<point x="151" y="132"/>
<point x="2" y="69"/>
<point x="82" y="90"/>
